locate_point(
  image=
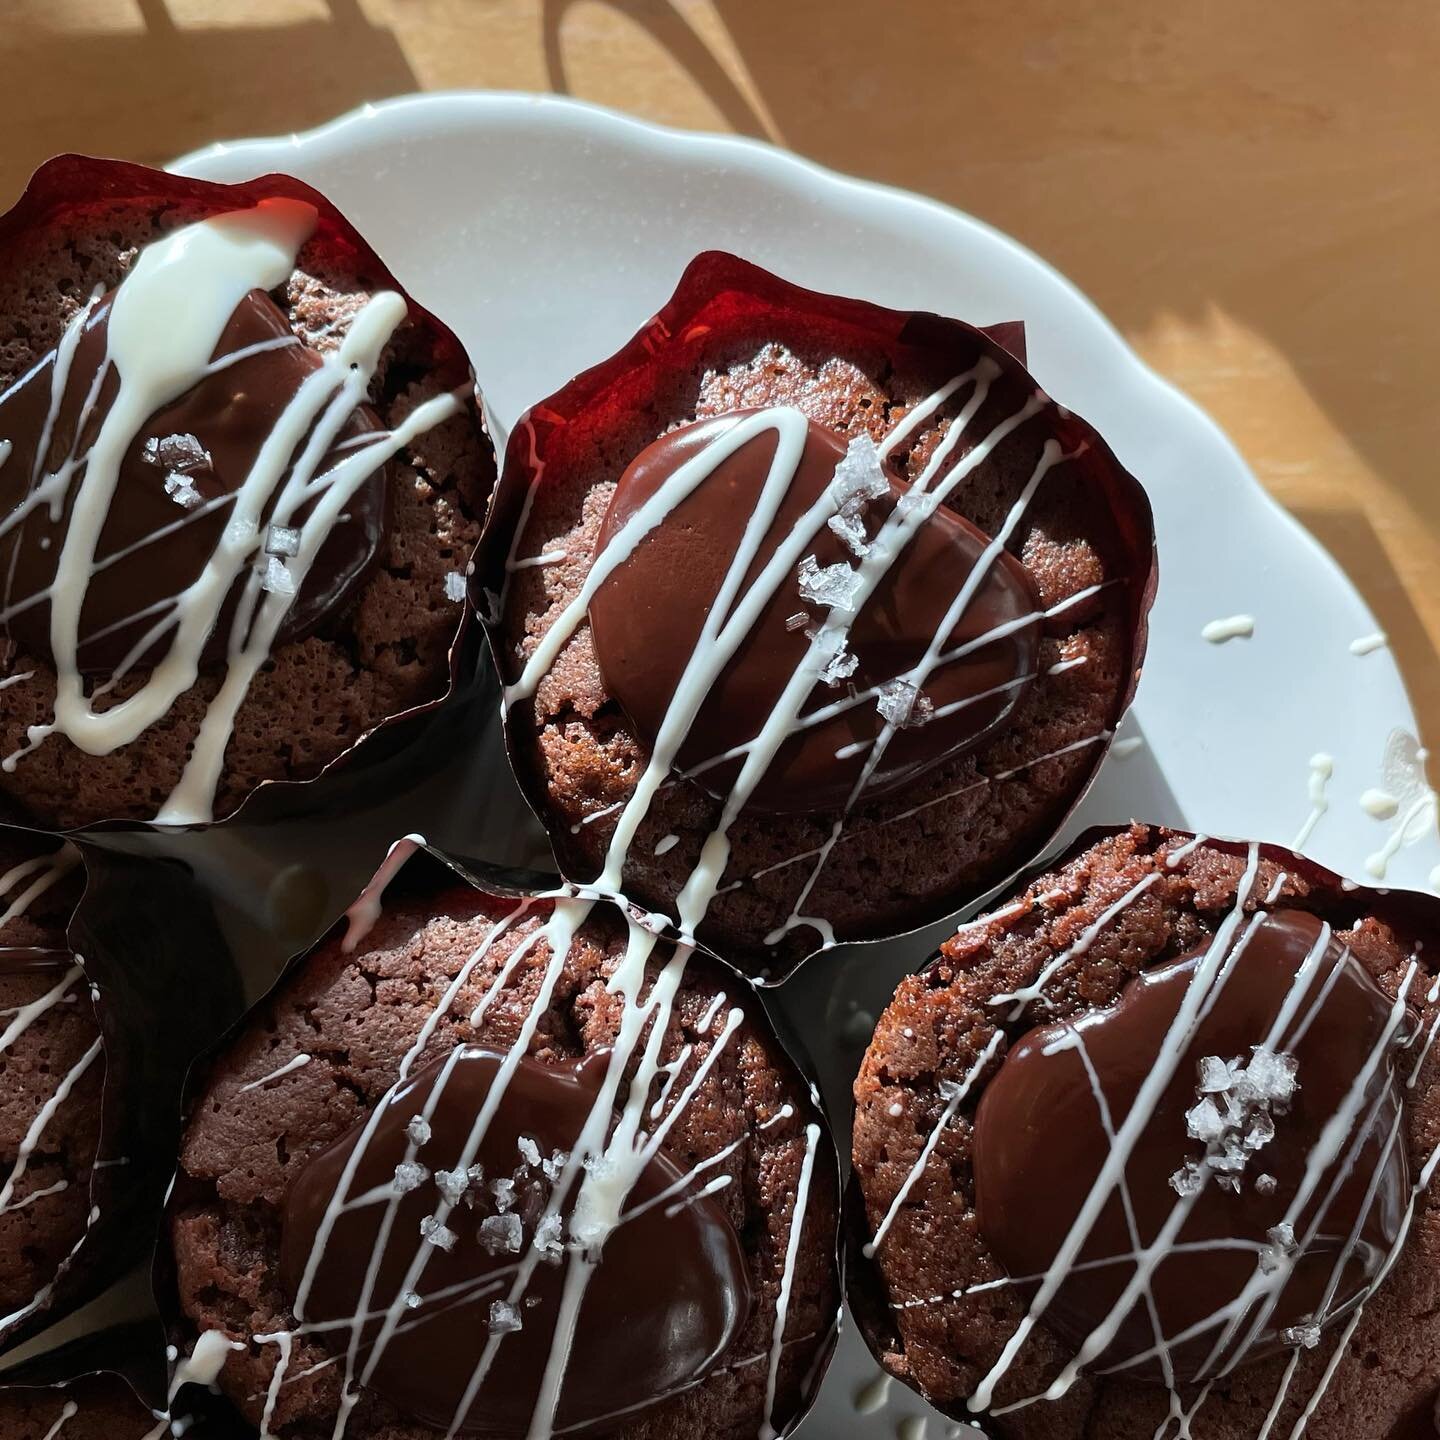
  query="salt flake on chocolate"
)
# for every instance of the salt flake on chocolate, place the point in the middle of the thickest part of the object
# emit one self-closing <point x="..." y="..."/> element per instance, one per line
<point x="410" y="1175"/>
<point x="183" y="454"/>
<point x="504" y="1317"/>
<point x="181" y="489"/>
<point x="502" y="1234"/>
<point x="832" y="585"/>
<point x="442" y="1237"/>
<point x="277" y="579"/>
<point x="418" y="1130"/>
<point x="282" y="540"/>
<point x="901" y="704"/>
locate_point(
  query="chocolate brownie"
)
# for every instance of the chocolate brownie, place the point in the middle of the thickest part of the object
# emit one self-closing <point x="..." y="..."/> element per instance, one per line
<point x="913" y="670"/>
<point x="52" y="1071"/>
<point x="329" y="1143"/>
<point x="1149" y="1146"/>
<point x="232" y="546"/>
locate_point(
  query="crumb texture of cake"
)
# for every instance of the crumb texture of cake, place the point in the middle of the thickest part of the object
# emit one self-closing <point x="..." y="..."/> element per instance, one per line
<point x="1150" y="1146"/>
<point x="513" y="1164"/>
<point x="52" y="1070"/>
<point x="243" y="478"/>
<point x="816" y="618"/>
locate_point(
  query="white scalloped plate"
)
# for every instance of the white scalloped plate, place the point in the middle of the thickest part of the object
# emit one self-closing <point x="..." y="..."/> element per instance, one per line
<point x="546" y="232"/>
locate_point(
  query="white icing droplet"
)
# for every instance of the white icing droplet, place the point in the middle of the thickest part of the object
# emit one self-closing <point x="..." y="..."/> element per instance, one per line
<point x="911" y="1428"/>
<point x="1232" y="627"/>
<point x="666" y="844"/>
<point x="872" y="1396"/>
<point x="1322" y="770"/>
<point x="1367" y="644"/>
<point x="1379" y="803"/>
<point x="1128" y="746"/>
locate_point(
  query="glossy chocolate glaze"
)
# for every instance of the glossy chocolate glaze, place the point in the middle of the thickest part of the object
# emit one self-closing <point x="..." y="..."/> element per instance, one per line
<point x="646" y="619"/>
<point x="231" y="413"/>
<point x="1040" y="1145"/>
<point x="669" y="1294"/>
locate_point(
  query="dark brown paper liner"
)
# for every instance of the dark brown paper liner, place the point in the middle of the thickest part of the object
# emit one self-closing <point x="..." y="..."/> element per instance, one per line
<point x="427" y="870"/>
<point x="1412" y="914"/>
<point x="165" y="988"/>
<point x="69" y="185"/>
<point x="721" y="297"/>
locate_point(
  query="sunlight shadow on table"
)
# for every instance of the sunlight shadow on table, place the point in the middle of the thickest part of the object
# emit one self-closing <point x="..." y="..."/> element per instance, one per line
<point x="668" y="27"/>
<point x="97" y="91"/>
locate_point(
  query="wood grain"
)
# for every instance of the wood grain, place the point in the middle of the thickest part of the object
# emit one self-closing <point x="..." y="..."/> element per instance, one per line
<point x="1247" y="190"/>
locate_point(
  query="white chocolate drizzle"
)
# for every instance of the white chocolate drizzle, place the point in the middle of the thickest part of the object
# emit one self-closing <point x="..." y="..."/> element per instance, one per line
<point x="165" y="322"/>
<point x="1342" y="1136"/>
<point x="738" y="605"/>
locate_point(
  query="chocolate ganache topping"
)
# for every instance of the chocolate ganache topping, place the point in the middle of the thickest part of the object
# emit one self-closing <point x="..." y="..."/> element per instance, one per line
<point x="1275" y="1155"/>
<point x="170" y="507"/>
<point x="648" y="616"/>
<point x="669" y="1294"/>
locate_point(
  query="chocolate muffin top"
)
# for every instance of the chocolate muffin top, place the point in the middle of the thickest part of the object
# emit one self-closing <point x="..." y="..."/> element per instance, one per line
<point x="243" y="478"/>
<point x="1150" y="1145"/>
<point x="489" y="1130"/>
<point x="816" y="617"/>
<point x="52" y="1070"/>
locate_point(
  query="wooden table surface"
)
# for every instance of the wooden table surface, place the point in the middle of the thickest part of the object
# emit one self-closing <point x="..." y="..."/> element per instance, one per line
<point x="1248" y="190"/>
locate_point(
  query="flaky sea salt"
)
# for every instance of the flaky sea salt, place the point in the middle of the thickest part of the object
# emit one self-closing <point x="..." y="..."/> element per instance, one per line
<point x="1189" y="1179"/>
<point x="1265" y="1184"/>
<point x="410" y="1175"/>
<point x="859" y="478"/>
<point x="452" y="1184"/>
<point x="418" y="1130"/>
<point x="504" y="1193"/>
<point x="282" y="540"/>
<point x="840" y="666"/>
<point x="1302" y="1337"/>
<point x="548" y="1239"/>
<point x="182" y="453"/>
<point x="901" y="704"/>
<point x="181" y="489"/>
<point x="798" y="621"/>
<point x="502" y="1234"/>
<point x="1215" y="1075"/>
<point x="454" y="586"/>
<point x="1203" y="1121"/>
<point x="442" y="1237"/>
<point x="1280" y="1248"/>
<point x="412" y="1300"/>
<point x="504" y="1317"/>
<point x="552" y="1167"/>
<point x="832" y="585"/>
<point x="277" y="578"/>
<point x="529" y="1151"/>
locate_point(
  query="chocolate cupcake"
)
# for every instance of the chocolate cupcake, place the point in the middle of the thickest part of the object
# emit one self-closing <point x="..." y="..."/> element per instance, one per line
<point x="1145" y="1151"/>
<point x="512" y="1164"/>
<point x="100" y="954"/>
<point x="52" y="1070"/>
<point x="242" y="478"/>
<point x="816" y="618"/>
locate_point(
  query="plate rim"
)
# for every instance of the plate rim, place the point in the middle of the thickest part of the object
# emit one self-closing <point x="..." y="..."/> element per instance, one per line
<point x="786" y="164"/>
